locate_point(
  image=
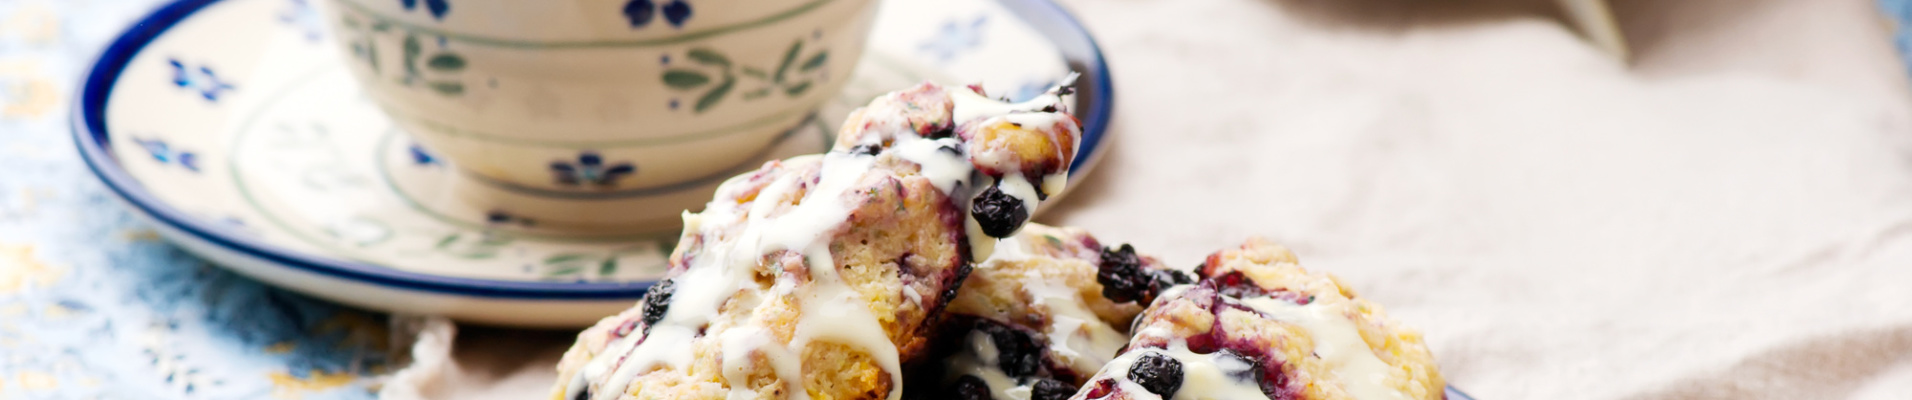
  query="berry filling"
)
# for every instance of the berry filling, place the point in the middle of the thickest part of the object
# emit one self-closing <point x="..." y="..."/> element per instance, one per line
<point x="656" y="302"/>
<point x="1158" y="373"/>
<point x="998" y="213"/>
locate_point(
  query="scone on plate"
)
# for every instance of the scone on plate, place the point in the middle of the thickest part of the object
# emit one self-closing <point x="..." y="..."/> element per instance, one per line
<point x="817" y="277"/>
<point x="1048" y="309"/>
<point x="1259" y="326"/>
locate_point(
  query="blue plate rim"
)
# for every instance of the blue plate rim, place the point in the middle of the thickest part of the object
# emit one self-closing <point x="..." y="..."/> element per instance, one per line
<point x="91" y="136"/>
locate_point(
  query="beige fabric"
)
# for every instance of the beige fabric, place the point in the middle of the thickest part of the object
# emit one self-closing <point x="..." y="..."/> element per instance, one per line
<point x="1729" y="216"/>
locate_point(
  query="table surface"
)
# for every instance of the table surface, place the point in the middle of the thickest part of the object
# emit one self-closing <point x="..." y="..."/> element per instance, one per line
<point x="1724" y="216"/>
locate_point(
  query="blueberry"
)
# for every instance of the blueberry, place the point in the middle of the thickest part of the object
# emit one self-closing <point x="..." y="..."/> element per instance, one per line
<point x="1120" y="274"/>
<point x="1016" y="353"/>
<point x="969" y="387"/>
<point x="1050" y="389"/>
<point x="1157" y="373"/>
<point x="656" y="302"/>
<point x="944" y="131"/>
<point x="1235" y="284"/>
<point x="999" y="213"/>
<point x="866" y="149"/>
<point x="1163" y="278"/>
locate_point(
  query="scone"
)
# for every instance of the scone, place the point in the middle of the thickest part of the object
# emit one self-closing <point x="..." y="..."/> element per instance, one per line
<point x="1259" y="326"/>
<point x="1048" y="309"/>
<point x="816" y="277"/>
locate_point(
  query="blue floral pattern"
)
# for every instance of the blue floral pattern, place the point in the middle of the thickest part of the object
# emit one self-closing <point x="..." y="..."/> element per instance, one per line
<point x="590" y="169"/>
<point x="955" y="37"/>
<point x="641" y="12"/>
<point x="201" y="79"/>
<point x="166" y="154"/>
<point x="420" y="156"/>
<point x="438" y="8"/>
<point x="301" y="15"/>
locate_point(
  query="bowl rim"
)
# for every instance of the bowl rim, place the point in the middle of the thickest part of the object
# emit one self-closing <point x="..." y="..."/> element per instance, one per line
<point x="92" y="137"/>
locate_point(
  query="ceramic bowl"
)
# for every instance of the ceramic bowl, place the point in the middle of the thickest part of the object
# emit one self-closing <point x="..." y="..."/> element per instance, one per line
<point x="567" y="98"/>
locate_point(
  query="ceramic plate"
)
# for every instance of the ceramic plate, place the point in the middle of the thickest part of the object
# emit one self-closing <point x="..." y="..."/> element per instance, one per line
<point x="233" y="126"/>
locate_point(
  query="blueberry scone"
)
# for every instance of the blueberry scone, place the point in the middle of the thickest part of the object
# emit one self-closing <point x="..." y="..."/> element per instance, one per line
<point x="819" y="276"/>
<point x="1259" y="326"/>
<point x="1049" y="308"/>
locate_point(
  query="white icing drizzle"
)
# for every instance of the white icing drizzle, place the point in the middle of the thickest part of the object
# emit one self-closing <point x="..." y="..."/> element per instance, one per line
<point x="944" y="168"/>
<point x="740" y="343"/>
<point x="972" y="106"/>
<point x="979" y="359"/>
<point x="1075" y="334"/>
<point x="831" y="310"/>
<point x="1213" y="376"/>
<point x="1019" y="187"/>
<point x="1337" y="342"/>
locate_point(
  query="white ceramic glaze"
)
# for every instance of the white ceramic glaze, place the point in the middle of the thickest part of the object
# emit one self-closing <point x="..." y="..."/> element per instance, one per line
<point x="557" y="106"/>
<point x="239" y="132"/>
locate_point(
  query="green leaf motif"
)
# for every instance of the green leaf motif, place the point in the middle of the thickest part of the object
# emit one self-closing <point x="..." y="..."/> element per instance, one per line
<point x="708" y="57"/>
<point x="756" y="94"/>
<point x="797" y="89"/>
<point x="446" y="62"/>
<point x="565" y="258"/>
<point x="447" y="241"/>
<point x="371" y="55"/>
<point x="715" y="95"/>
<point x="560" y="272"/>
<point x="412" y="50"/>
<point x="815" y="61"/>
<point x="789" y="58"/>
<point x="756" y="73"/>
<point x="381" y="26"/>
<point x="448" y="88"/>
<point x="684" y="79"/>
<point x="608" y="267"/>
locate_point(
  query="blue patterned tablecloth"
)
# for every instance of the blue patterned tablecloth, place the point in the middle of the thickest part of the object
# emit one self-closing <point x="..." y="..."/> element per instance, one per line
<point x="92" y="303"/>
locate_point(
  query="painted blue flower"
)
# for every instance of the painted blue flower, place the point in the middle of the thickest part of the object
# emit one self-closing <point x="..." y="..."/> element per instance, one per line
<point x="590" y="168"/>
<point x="201" y="79"/>
<point x="420" y="156"/>
<point x="302" y="16"/>
<point x="955" y="37"/>
<point x="640" y="12"/>
<point x="168" y="155"/>
<point x="438" y="8"/>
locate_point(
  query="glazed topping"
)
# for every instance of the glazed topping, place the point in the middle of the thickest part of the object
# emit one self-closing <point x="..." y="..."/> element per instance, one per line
<point x="1177" y="373"/>
<point x="1337" y="342"/>
<point x="766" y="216"/>
<point x="1072" y="340"/>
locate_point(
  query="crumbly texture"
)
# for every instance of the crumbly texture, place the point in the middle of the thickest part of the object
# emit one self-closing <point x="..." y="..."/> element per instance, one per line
<point x="1000" y="289"/>
<point x="1031" y="292"/>
<point x="897" y="252"/>
<point x="1210" y="319"/>
<point x="902" y="236"/>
